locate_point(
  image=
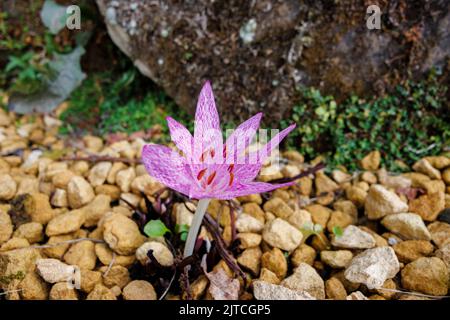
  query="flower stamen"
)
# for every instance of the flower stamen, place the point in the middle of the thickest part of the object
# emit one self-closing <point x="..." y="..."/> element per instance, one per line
<point x="211" y="178"/>
<point x="201" y="174"/>
<point x="231" y="179"/>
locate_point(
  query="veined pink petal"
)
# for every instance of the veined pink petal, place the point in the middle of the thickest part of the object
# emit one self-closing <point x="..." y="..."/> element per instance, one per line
<point x="241" y="138"/>
<point x="166" y="166"/>
<point x="250" y="188"/>
<point x="246" y="172"/>
<point x="207" y="133"/>
<point x="206" y="115"/>
<point x="265" y="151"/>
<point x="181" y="137"/>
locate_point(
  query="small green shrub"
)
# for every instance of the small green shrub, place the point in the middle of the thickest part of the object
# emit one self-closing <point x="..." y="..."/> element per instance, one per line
<point x="407" y="124"/>
<point x="118" y="102"/>
<point x="27" y="70"/>
<point x="30" y="73"/>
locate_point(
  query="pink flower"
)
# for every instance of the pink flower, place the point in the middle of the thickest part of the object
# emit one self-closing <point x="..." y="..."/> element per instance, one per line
<point x="208" y="168"/>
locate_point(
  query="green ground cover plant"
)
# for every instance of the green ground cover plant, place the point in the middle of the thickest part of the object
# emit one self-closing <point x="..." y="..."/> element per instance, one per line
<point x="403" y="125"/>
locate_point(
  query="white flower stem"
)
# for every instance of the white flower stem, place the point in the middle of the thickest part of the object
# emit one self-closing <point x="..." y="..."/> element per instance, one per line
<point x="195" y="226"/>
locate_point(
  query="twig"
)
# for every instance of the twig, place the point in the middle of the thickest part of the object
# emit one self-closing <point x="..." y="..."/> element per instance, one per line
<point x="174" y="272"/>
<point x="185" y="284"/>
<point x="113" y="259"/>
<point x="336" y="194"/>
<point x="95" y="158"/>
<point x="45" y="246"/>
<point x="305" y="173"/>
<point x="413" y="293"/>
<point x="420" y="151"/>
<point x="210" y="224"/>
<point x="232" y="222"/>
<point x="10" y="291"/>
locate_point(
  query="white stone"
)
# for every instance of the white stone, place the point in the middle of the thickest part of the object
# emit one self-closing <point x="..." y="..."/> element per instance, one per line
<point x="409" y="226"/>
<point x="267" y="291"/>
<point x="354" y="238"/>
<point x="53" y="270"/>
<point x="247" y="223"/>
<point x="373" y="267"/>
<point x="381" y="202"/>
<point x="306" y="279"/>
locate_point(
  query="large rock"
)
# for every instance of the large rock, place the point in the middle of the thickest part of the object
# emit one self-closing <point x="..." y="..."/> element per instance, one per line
<point x="257" y="53"/>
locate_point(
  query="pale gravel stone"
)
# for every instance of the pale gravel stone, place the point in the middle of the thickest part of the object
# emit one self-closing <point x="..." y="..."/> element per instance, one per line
<point x="373" y="267"/>
<point x="267" y="291"/>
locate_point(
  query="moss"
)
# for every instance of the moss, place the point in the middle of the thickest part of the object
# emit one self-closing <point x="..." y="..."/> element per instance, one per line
<point x="6" y="280"/>
<point x="111" y="102"/>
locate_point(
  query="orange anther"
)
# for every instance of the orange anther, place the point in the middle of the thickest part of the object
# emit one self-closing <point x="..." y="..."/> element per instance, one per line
<point x="201" y="174"/>
<point x="211" y="178"/>
<point x="231" y="179"/>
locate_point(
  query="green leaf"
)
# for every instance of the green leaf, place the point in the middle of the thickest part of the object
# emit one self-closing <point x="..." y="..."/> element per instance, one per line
<point x="155" y="228"/>
<point x="181" y="228"/>
<point x="337" y="231"/>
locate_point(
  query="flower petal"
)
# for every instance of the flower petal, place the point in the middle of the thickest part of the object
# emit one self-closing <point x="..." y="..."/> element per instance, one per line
<point x="246" y="172"/>
<point x="180" y="136"/>
<point x="166" y="166"/>
<point x="207" y="133"/>
<point x="265" y="151"/>
<point x="250" y="188"/>
<point x="241" y="138"/>
<point x="206" y="115"/>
